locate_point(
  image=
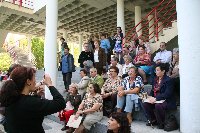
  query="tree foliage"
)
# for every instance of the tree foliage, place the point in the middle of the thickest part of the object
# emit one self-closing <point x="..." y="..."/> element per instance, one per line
<point x="38" y="51"/>
<point x="5" y="61"/>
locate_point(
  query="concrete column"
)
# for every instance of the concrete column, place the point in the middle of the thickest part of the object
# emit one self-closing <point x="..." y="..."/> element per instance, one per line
<point x="120" y="15"/>
<point x="151" y="22"/>
<point x="80" y="42"/>
<point x="3" y="35"/>
<point x="29" y="47"/>
<point x="65" y="35"/>
<point x="138" y="14"/>
<point x="160" y="28"/>
<point x="72" y="48"/>
<point x="189" y="53"/>
<point x="50" y="48"/>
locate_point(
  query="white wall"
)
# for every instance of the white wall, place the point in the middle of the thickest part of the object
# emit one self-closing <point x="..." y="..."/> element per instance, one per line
<point x="38" y="4"/>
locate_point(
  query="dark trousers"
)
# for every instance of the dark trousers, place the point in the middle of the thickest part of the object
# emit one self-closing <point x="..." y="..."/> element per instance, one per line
<point x="109" y="104"/>
<point x="99" y="67"/>
<point x="156" y="111"/>
<point x="67" y="79"/>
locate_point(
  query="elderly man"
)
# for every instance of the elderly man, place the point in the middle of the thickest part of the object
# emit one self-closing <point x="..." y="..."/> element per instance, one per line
<point x="95" y="78"/>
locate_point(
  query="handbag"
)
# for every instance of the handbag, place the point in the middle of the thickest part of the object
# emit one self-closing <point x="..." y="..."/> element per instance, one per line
<point x="170" y="123"/>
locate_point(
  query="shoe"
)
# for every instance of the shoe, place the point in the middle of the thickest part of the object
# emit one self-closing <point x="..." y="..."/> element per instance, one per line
<point x="151" y="123"/>
<point x="64" y="128"/>
<point x="160" y="126"/>
<point x="145" y="83"/>
<point x="70" y="130"/>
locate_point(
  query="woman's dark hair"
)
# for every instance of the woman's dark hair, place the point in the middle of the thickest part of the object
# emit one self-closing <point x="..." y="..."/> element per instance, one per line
<point x="163" y="66"/>
<point x="122" y="120"/>
<point x="11" y="68"/>
<point x="120" y="29"/>
<point x="84" y="71"/>
<point x="62" y="38"/>
<point x="115" y="68"/>
<point x="96" y="87"/>
<point x="115" y="59"/>
<point x="141" y="46"/>
<point x="12" y="88"/>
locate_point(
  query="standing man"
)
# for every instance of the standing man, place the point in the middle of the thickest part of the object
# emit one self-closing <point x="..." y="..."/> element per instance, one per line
<point x="63" y="45"/>
<point x="67" y="67"/>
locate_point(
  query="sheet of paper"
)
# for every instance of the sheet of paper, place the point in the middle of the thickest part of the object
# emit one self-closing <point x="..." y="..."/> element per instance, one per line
<point x="74" y="123"/>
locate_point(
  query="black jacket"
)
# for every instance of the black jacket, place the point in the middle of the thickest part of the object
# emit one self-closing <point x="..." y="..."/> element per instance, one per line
<point x="84" y="56"/>
<point x="27" y="114"/>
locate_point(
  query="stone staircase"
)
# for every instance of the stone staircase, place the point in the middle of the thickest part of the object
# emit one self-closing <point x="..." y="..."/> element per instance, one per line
<point x="138" y="125"/>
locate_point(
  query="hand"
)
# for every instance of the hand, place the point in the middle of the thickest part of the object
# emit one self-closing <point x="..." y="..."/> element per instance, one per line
<point x="85" y="62"/>
<point x="40" y="91"/>
<point x="47" y="80"/>
<point x="152" y="100"/>
<point x="121" y="93"/>
<point x="79" y="112"/>
<point x="104" y="67"/>
<point x="76" y="116"/>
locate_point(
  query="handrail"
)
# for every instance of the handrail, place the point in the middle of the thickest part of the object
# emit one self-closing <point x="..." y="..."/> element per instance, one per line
<point x="144" y="22"/>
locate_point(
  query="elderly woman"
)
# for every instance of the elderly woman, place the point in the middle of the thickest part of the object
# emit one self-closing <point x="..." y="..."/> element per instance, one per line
<point x="162" y="91"/>
<point x="118" y="123"/>
<point x="83" y="84"/>
<point x="174" y="72"/>
<point x="127" y="65"/>
<point x="73" y="100"/>
<point x="109" y="91"/>
<point x="91" y="108"/>
<point x="99" y="57"/>
<point x="128" y="92"/>
<point x="143" y="62"/>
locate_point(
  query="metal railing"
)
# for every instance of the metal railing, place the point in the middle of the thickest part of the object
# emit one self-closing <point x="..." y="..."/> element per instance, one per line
<point x="163" y="12"/>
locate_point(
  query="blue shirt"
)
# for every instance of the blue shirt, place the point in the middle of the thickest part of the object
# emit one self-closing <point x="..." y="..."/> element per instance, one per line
<point x="65" y="64"/>
<point x="105" y="44"/>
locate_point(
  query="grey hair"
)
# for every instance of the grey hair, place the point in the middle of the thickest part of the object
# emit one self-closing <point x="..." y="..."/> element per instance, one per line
<point x="176" y="50"/>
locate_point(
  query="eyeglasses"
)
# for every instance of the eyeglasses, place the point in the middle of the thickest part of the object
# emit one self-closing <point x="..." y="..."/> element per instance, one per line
<point x="112" y="71"/>
<point x="91" y="72"/>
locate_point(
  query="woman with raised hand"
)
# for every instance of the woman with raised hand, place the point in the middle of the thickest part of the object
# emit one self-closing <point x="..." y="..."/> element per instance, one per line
<point x="25" y="113"/>
<point x="118" y="123"/>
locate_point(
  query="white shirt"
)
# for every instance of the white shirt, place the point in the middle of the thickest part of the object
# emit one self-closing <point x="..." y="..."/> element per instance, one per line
<point x="164" y="56"/>
<point x="125" y="68"/>
<point x="96" y="56"/>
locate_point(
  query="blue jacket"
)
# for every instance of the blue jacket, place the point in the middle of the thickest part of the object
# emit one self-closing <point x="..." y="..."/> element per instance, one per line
<point x="166" y="92"/>
<point x="70" y="63"/>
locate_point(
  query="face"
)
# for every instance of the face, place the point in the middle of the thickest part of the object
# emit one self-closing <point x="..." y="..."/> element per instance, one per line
<point x="113" y="62"/>
<point x="32" y="83"/>
<point x="162" y="46"/>
<point x="113" y="73"/>
<point x="82" y="74"/>
<point x="91" y="89"/>
<point x="72" y="89"/>
<point x="125" y="51"/>
<point x="66" y="51"/>
<point x="96" y="44"/>
<point x="159" y="73"/>
<point x="113" y="124"/>
<point x="141" y="50"/>
<point x="118" y="30"/>
<point x="86" y="47"/>
<point x="132" y="72"/>
<point x="175" y="56"/>
<point x="126" y="60"/>
<point x="102" y="37"/>
<point x="93" y="73"/>
<point x="62" y="40"/>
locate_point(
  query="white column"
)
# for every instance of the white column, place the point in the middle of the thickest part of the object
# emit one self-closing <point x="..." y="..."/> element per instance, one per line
<point x="80" y="42"/>
<point x="188" y="37"/>
<point x="120" y="15"/>
<point x="138" y="14"/>
<point x="160" y="28"/>
<point x="65" y="35"/>
<point x="72" y="48"/>
<point x="151" y="22"/>
<point x="50" y="48"/>
<point x="29" y="47"/>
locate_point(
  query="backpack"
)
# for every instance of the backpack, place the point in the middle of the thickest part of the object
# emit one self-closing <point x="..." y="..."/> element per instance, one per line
<point x="170" y="123"/>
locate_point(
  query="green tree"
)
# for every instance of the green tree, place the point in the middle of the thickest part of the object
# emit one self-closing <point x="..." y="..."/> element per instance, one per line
<point x="5" y="61"/>
<point x="38" y="51"/>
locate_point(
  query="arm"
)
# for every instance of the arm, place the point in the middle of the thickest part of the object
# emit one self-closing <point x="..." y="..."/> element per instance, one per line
<point x="95" y="107"/>
<point x="107" y="44"/>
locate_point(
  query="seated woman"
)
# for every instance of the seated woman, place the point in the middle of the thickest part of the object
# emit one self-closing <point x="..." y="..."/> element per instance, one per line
<point x="91" y="108"/>
<point x="162" y="90"/>
<point x="83" y="84"/>
<point x="73" y="100"/>
<point x="174" y="72"/>
<point x="127" y="65"/>
<point x="109" y="91"/>
<point x="127" y="93"/>
<point x="118" y="123"/>
<point x="143" y="62"/>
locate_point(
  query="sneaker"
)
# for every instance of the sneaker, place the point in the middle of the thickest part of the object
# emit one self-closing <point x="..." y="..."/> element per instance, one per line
<point x="151" y="123"/>
<point x="64" y="128"/>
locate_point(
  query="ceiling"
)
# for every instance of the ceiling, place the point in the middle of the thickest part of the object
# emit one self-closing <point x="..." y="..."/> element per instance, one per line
<point x="76" y="17"/>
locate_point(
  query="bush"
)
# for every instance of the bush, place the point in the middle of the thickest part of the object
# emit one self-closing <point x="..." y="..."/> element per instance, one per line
<point x="5" y="61"/>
